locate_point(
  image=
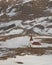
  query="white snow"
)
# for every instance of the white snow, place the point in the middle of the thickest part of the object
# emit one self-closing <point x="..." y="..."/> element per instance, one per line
<point x="37" y="30"/>
<point x="21" y="42"/>
<point x="50" y="31"/>
<point x="1" y="13"/>
<point x="40" y="19"/>
<point x="12" y="12"/>
<point x="28" y="60"/>
<point x="49" y="10"/>
<point x="18" y="31"/>
<point x="16" y="22"/>
<point x="50" y="0"/>
<point x="16" y="42"/>
<point x="9" y="7"/>
<point x="28" y="21"/>
<point x="29" y="24"/>
<point x="43" y="45"/>
<point x="24" y="1"/>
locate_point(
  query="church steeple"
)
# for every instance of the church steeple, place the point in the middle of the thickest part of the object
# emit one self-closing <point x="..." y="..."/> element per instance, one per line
<point x="31" y="39"/>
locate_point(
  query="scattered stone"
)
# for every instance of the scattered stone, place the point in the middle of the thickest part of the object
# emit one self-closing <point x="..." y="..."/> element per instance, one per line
<point x="19" y="62"/>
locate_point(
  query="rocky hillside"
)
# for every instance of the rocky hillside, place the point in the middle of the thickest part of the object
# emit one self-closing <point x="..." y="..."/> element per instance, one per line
<point x="25" y="17"/>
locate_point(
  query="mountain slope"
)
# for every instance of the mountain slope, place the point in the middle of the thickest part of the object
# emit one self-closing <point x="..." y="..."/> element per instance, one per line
<point x="26" y="17"/>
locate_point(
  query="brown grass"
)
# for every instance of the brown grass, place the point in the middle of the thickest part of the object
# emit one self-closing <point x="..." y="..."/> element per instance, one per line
<point x="26" y="51"/>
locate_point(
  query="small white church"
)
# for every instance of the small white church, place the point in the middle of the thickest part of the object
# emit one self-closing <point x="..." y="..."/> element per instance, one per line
<point x="34" y="42"/>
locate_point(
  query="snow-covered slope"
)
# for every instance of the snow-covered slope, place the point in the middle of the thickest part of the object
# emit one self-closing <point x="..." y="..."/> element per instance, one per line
<point x="41" y="25"/>
<point x="25" y="17"/>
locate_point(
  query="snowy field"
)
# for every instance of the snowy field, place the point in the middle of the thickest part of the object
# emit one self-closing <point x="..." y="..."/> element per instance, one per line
<point x="28" y="60"/>
<point x="21" y="42"/>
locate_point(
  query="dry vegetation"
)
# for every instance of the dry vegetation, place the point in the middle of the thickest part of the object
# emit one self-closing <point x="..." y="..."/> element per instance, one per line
<point x="47" y="41"/>
<point x="26" y="51"/>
